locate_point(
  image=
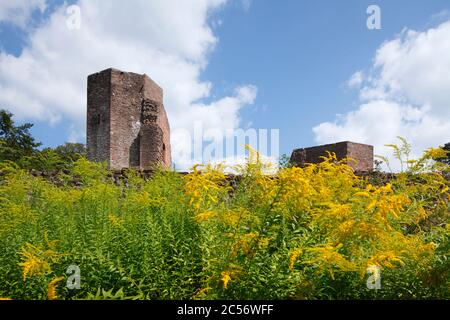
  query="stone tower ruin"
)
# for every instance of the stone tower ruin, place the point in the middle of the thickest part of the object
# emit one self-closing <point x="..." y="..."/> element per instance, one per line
<point x="127" y="125"/>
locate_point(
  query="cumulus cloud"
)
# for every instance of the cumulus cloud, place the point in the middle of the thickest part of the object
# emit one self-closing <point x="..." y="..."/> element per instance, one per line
<point x="356" y="80"/>
<point x="406" y="94"/>
<point x="221" y="114"/>
<point x="167" y="39"/>
<point x="18" y="12"/>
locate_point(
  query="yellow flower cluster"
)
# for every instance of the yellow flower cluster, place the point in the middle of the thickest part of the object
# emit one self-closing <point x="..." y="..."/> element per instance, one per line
<point x="204" y="186"/>
<point x="115" y="221"/>
<point x="205" y="216"/>
<point x="144" y="199"/>
<point x="294" y="255"/>
<point x="229" y="274"/>
<point x="436" y="153"/>
<point x="327" y="257"/>
<point x="359" y="224"/>
<point x="295" y="233"/>
<point x="51" y="290"/>
<point x="244" y="243"/>
<point x="386" y="259"/>
<point x="36" y="261"/>
<point x="387" y="203"/>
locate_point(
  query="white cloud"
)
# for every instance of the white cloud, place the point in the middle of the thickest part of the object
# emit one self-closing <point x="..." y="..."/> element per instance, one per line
<point x="356" y="80"/>
<point x="407" y="94"/>
<point x="18" y="12"/>
<point x="441" y="15"/>
<point x="222" y="114"/>
<point x="167" y="39"/>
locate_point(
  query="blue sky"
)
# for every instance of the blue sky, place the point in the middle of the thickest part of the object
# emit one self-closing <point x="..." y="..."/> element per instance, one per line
<point x="299" y="55"/>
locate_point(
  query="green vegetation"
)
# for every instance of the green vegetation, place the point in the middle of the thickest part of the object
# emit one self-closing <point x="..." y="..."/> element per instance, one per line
<point x="18" y="146"/>
<point x="301" y="233"/>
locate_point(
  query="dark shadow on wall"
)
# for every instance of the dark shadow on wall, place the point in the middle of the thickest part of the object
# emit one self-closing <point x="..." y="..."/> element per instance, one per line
<point x="134" y="153"/>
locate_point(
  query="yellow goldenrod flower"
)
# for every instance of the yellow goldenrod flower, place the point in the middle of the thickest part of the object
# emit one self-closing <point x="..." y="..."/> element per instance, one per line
<point x="295" y="254"/>
<point x="227" y="275"/>
<point x="385" y="259"/>
<point x="436" y="153"/>
<point x="244" y="243"/>
<point x="371" y="205"/>
<point x="385" y="189"/>
<point x="225" y="278"/>
<point x="231" y="272"/>
<point x="204" y="187"/>
<point x="429" y="246"/>
<point x="362" y="194"/>
<point x="35" y="260"/>
<point x="51" y="290"/>
<point x="264" y="242"/>
<point x="346" y="226"/>
<point x="328" y="258"/>
<point x="115" y="221"/>
<point x="204" y="216"/>
<point x="233" y="216"/>
<point x="368" y="230"/>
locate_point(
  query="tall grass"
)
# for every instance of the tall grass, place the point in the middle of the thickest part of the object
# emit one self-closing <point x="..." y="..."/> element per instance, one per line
<point x="302" y="233"/>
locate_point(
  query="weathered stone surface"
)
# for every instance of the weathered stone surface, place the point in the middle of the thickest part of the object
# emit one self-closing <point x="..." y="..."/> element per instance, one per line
<point x="362" y="153"/>
<point x="127" y="125"/>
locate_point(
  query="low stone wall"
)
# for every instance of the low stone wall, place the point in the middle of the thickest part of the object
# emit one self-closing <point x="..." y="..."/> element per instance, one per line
<point x="59" y="177"/>
<point x="361" y="153"/>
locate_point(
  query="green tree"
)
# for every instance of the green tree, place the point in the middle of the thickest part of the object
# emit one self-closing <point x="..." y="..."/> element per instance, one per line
<point x="447" y="158"/>
<point x="61" y="157"/>
<point x="70" y="152"/>
<point x="15" y="141"/>
<point x="284" y="161"/>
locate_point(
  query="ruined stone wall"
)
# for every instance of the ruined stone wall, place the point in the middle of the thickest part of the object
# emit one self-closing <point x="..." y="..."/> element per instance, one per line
<point x="155" y="132"/>
<point x="136" y="126"/>
<point x="98" y="116"/>
<point x="362" y="153"/>
<point x="126" y="97"/>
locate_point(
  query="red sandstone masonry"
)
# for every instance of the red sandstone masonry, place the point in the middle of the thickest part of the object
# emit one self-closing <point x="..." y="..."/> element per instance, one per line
<point x="127" y="125"/>
<point x="362" y="153"/>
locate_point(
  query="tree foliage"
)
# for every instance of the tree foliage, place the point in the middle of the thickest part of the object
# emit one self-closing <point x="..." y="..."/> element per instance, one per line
<point x="446" y="159"/>
<point x="19" y="146"/>
<point x="16" y="141"/>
